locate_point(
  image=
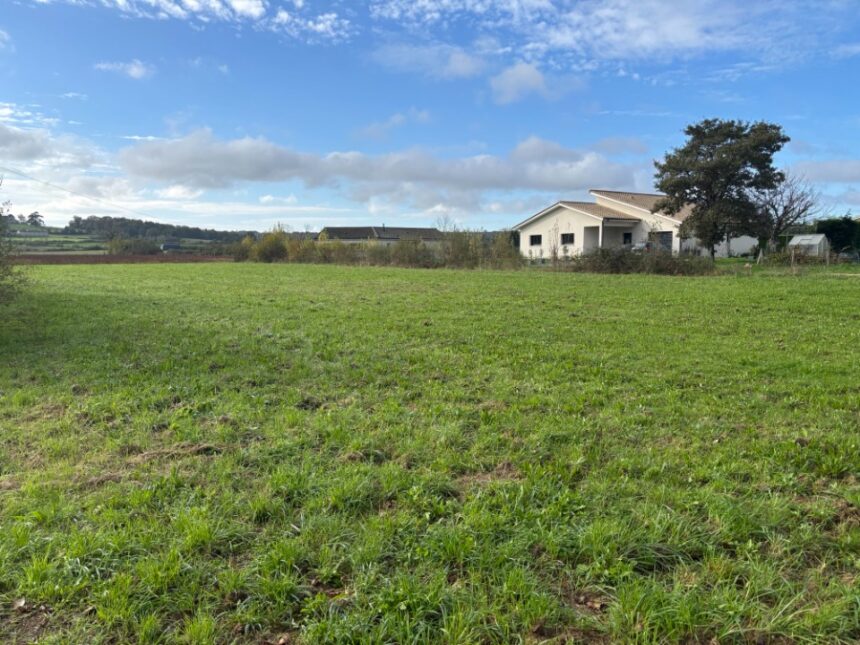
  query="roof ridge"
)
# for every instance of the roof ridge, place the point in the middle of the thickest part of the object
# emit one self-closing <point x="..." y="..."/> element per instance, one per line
<point x="625" y="192"/>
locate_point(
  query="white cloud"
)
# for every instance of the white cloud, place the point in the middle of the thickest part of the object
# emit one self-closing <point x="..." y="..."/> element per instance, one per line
<point x="381" y="129"/>
<point x="582" y="33"/>
<point x="5" y="40"/>
<point x="179" y="192"/>
<point x="516" y="82"/>
<point x="39" y="149"/>
<point x="298" y="23"/>
<point x="322" y="27"/>
<point x="135" y="69"/>
<point x="847" y="50"/>
<point x="141" y="137"/>
<point x="435" y="60"/>
<point x="273" y="199"/>
<point x="248" y="8"/>
<point x="23" y="145"/>
<point x="201" y="161"/>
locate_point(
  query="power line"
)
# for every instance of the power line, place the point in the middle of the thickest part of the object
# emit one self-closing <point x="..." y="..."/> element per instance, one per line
<point x="77" y="194"/>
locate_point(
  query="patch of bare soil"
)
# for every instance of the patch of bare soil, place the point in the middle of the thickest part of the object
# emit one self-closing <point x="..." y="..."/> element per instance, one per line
<point x="177" y="451"/>
<point x="504" y="471"/>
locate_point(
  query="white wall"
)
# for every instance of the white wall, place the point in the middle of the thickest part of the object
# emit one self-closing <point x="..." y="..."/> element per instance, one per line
<point x="550" y="227"/>
<point x="650" y="222"/>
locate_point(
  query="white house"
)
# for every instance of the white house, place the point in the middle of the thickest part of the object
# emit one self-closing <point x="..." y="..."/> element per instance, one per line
<point x="615" y="219"/>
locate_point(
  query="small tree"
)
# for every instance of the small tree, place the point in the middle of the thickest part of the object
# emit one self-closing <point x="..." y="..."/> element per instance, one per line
<point x="784" y="206"/>
<point x="10" y="278"/>
<point x="35" y="219"/>
<point x="717" y="172"/>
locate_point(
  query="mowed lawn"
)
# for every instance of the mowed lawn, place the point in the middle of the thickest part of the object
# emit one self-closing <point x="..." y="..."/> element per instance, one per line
<point x="284" y="453"/>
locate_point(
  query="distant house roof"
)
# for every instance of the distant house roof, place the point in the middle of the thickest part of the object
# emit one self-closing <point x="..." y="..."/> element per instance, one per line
<point x="807" y="239"/>
<point x="645" y="201"/>
<point x="389" y="233"/>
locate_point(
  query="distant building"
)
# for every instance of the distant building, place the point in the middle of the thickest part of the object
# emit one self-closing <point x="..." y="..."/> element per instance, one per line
<point x="171" y="246"/>
<point x="814" y="245"/>
<point x="614" y="220"/>
<point x="381" y="234"/>
<point x="31" y="232"/>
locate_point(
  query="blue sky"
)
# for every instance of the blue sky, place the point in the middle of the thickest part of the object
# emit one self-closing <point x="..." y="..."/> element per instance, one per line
<point x="246" y="113"/>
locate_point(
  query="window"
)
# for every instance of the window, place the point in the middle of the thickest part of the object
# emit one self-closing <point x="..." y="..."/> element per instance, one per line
<point x="628" y="238"/>
<point x="534" y="240"/>
<point x="566" y="238"/>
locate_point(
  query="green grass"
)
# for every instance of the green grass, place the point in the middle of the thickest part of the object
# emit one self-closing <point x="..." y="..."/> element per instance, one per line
<point x="245" y="453"/>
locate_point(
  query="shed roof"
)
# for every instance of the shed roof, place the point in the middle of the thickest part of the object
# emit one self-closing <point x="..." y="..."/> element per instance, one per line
<point x="810" y="239"/>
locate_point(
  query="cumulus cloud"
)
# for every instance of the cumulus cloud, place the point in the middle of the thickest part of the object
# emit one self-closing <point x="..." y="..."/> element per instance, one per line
<point x="22" y="145"/>
<point x="38" y="148"/>
<point x="516" y="82"/>
<point x="135" y="69"/>
<point x="434" y="60"/>
<point x="202" y="161"/>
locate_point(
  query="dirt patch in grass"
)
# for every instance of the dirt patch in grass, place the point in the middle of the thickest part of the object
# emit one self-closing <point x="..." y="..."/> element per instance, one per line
<point x="177" y="451"/>
<point x="505" y="471"/>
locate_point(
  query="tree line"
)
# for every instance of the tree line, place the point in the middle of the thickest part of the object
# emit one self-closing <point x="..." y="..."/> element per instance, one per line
<point x="125" y="228"/>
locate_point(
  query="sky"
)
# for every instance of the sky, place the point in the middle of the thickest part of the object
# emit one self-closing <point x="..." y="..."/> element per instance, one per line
<point x="245" y="114"/>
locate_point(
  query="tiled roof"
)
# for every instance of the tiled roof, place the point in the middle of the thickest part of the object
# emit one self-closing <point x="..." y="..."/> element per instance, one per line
<point x="599" y="211"/>
<point x="645" y="201"/>
<point x="381" y="233"/>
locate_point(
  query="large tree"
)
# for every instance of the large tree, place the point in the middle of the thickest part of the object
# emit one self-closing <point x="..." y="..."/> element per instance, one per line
<point x="792" y="202"/>
<point x="35" y="219"/>
<point x="718" y="172"/>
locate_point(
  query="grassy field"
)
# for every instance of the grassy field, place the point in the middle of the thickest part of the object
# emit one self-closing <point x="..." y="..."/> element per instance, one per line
<point x="287" y="453"/>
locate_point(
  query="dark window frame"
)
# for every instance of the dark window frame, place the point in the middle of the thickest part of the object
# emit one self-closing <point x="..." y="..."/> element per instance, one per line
<point x="567" y="239"/>
<point x="535" y="240"/>
<point x="627" y="238"/>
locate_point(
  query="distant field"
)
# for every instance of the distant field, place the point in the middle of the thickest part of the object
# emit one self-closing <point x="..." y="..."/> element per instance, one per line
<point x="62" y="244"/>
<point x="285" y="453"/>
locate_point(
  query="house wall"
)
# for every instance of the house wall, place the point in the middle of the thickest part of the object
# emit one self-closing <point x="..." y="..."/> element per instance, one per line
<point x="550" y="227"/>
<point x="650" y="222"/>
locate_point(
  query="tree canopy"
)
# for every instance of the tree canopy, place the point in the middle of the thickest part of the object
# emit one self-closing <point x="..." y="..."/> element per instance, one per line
<point x="718" y="172"/>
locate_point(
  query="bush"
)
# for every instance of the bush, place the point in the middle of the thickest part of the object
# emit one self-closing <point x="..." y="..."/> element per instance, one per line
<point x="242" y="250"/>
<point x="272" y="247"/>
<point x="625" y="261"/>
